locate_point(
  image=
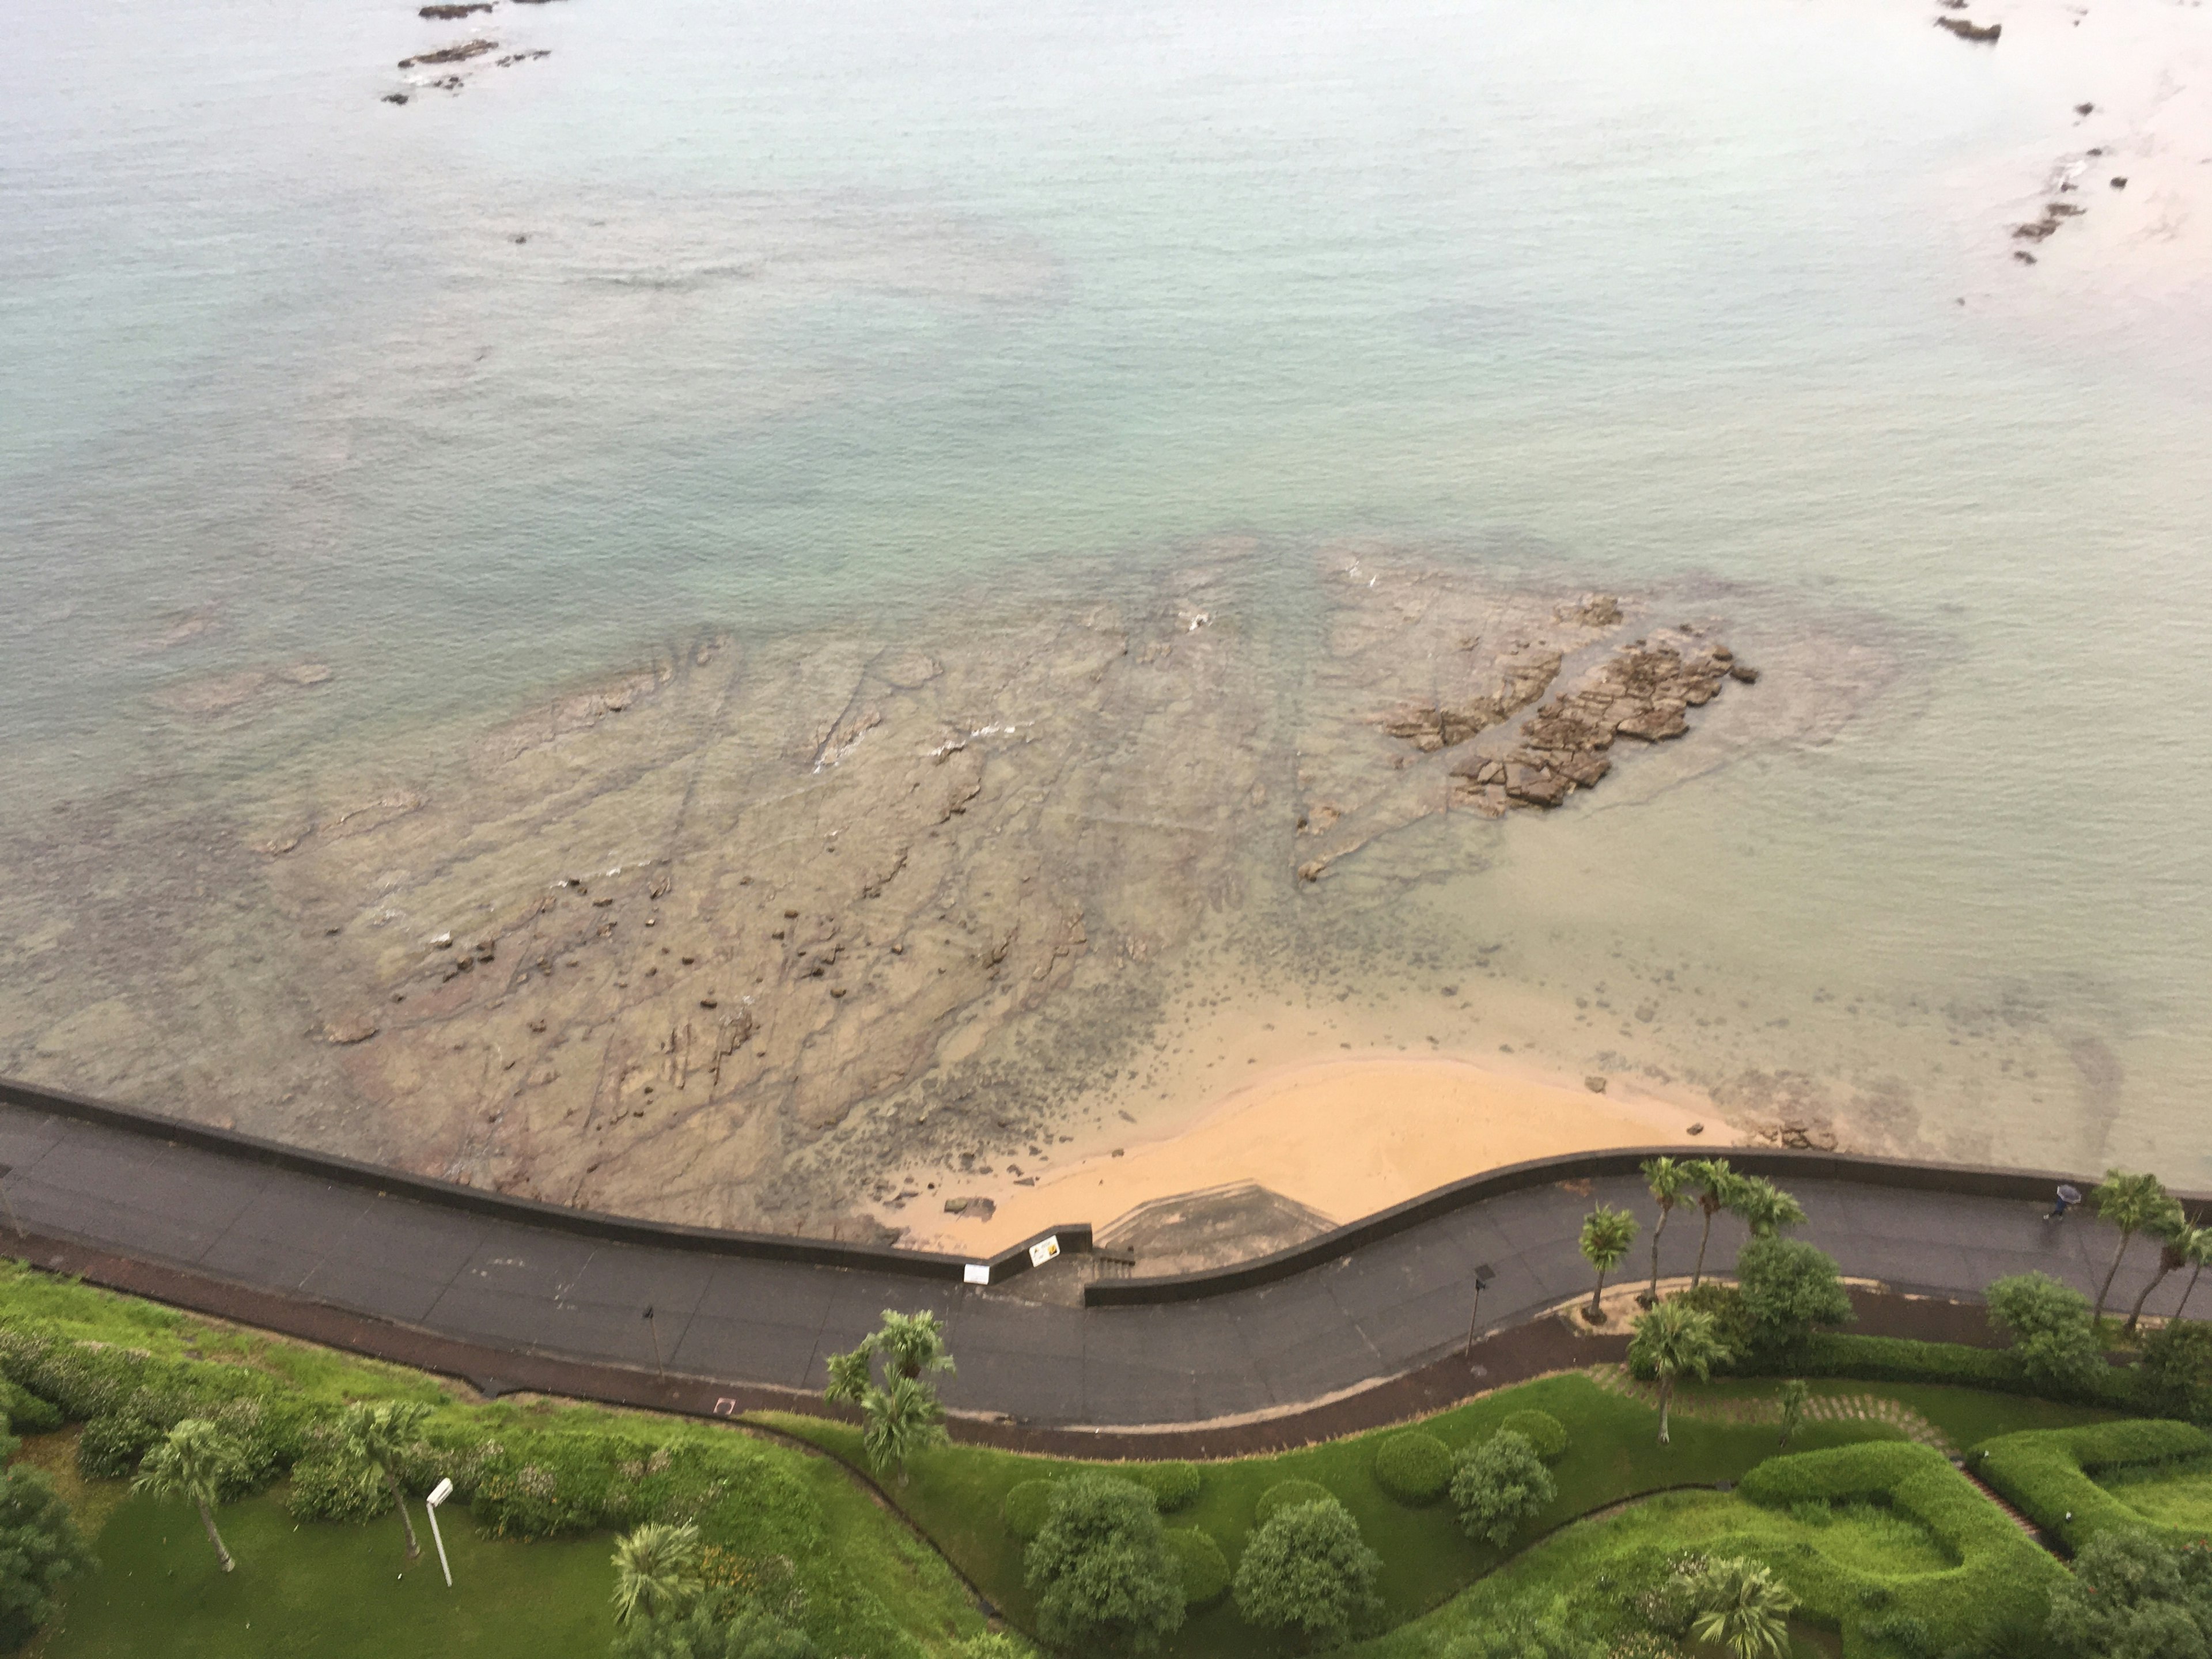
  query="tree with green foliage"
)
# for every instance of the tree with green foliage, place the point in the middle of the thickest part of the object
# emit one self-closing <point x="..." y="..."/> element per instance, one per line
<point x="1715" y="1184"/>
<point x="2175" y="1377"/>
<point x="1743" y="1608"/>
<point x="2131" y="1596"/>
<point x="656" y="1571"/>
<point x="1666" y="1179"/>
<point x="2197" y="1246"/>
<point x="1787" y="1287"/>
<point x="40" y="1549"/>
<point x="2176" y="1239"/>
<point x="192" y="1463"/>
<point x="1673" y="1341"/>
<point x="1764" y="1207"/>
<point x="913" y="1343"/>
<point x="995" y="1644"/>
<point x="2051" y="1326"/>
<point x="1499" y="1483"/>
<point x="376" y="1439"/>
<point x="899" y="1421"/>
<point x="2131" y="1203"/>
<point x="1307" y="1571"/>
<point x="851" y="1376"/>
<point x="1100" y="1568"/>
<point x="1554" y="1633"/>
<point x="1607" y="1235"/>
<point x="1793" y="1400"/>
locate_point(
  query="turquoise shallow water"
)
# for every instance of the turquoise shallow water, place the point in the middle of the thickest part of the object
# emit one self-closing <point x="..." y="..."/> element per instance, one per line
<point x="772" y="318"/>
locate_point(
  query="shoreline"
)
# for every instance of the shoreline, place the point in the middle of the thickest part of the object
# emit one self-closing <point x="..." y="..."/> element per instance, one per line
<point x="1419" y="1121"/>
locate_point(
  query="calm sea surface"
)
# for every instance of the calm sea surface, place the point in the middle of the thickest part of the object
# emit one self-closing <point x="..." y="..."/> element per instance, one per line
<point x="766" y="317"/>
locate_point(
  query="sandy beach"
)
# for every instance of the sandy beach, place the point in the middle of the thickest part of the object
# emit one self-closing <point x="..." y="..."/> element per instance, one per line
<point x="1348" y="1137"/>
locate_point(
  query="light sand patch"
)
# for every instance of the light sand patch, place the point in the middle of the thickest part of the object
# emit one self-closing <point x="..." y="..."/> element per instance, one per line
<point x="1349" y="1136"/>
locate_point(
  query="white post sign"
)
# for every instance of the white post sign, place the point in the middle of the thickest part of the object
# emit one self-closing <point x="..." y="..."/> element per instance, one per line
<point x="976" y="1273"/>
<point x="1044" y="1250"/>
<point x="438" y="1494"/>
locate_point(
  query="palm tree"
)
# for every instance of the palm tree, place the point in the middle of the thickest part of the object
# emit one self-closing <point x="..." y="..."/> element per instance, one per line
<point x="2197" y="1244"/>
<point x="1674" y="1341"/>
<point x="1765" y="1207"/>
<point x="1667" y="1178"/>
<point x="850" y="1376"/>
<point x="1794" y="1394"/>
<point x="656" y="1569"/>
<point x="376" y="1439"/>
<point x="1716" y="1184"/>
<point x="913" y="1343"/>
<point x="2173" y="1231"/>
<point x="1607" y="1235"/>
<point x="192" y="1462"/>
<point x="1743" y="1608"/>
<point x="2130" y="1202"/>
<point x="899" y="1421"/>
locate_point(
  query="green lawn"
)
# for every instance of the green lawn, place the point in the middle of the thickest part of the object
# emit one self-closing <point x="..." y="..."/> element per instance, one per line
<point x="956" y="1495"/>
<point x="329" y="1592"/>
<point x="2171" y="1494"/>
<point x="1966" y="1415"/>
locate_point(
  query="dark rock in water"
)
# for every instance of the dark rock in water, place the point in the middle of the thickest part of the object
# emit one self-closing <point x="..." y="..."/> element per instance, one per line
<point x="2120" y="183"/>
<point x="2085" y="109"/>
<point x="1743" y="673"/>
<point x="1967" y="30"/>
<point x="1594" y="1083"/>
<point x="395" y="97"/>
<point x="1538" y="785"/>
<point x="459" y="54"/>
<point x="2034" y="230"/>
<point x="2023" y="256"/>
<point x="446" y="13"/>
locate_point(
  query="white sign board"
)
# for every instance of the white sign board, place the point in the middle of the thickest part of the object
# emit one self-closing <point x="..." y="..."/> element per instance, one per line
<point x="1043" y="1251"/>
<point x="976" y="1273"/>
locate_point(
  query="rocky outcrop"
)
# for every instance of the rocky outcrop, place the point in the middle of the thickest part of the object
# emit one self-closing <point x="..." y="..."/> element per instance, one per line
<point x="1968" y="30"/>
<point x="457" y="54"/>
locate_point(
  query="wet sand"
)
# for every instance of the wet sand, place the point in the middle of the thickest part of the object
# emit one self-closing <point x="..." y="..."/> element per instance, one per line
<point x="1348" y="1137"/>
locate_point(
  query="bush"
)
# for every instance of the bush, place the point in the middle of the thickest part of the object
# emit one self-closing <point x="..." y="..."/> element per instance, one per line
<point x="2046" y="1473"/>
<point x="27" y="1413"/>
<point x="2175" y="1377"/>
<point x="1786" y="1287"/>
<point x="2050" y="1326"/>
<point x="1100" y="1569"/>
<point x="1551" y="1634"/>
<point x="331" y="1489"/>
<point x="39" y="1550"/>
<point x="1540" y="1430"/>
<point x="1173" y="1485"/>
<point x="1499" y="1483"/>
<point x="1024" y="1508"/>
<point x="994" y="1644"/>
<point x="1286" y="1494"/>
<point x="1308" y="1570"/>
<point x="2133" y="1597"/>
<point x="1205" y="1568"/>
<point x="1413" y="1467"/>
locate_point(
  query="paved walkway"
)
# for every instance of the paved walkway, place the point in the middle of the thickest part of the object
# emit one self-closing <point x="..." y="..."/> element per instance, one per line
<point x="489" y="1285"/>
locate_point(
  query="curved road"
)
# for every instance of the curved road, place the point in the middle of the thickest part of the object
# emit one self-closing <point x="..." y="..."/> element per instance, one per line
<point x="446" y="1285"/>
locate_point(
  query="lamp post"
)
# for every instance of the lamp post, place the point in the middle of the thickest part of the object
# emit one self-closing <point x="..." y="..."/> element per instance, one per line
<point x="438" y="1494"/>
<point x="653" y="1331"/>
<point x="1483" y="1275"/>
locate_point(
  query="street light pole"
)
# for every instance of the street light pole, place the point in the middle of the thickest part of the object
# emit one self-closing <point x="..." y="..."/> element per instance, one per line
<point x="1483" y="1275"/>
<point x="438" y="1494"/>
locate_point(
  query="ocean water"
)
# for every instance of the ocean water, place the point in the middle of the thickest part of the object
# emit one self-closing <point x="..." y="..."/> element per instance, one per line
<point x="769" y="317"/>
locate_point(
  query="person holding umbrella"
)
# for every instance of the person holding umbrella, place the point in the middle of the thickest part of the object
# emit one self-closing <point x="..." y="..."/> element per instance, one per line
<point x="2069" y="1196"/>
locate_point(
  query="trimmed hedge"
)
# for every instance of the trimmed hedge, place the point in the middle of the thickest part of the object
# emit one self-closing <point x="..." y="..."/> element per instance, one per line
<point x="25" y="1412"/>
<point x="1025" y="1508"/>
<point x="1286" y="1494"/>
<point x="2000" y="1588"/>
<point x="1205" y="1568"/>
<point x="1898" y="1359"/>
<point x="1173" y="1485"/>
<point x="1540" y="1430"/>
<point x="2046" y="1473"/>
<point x="1415" y="1466"/>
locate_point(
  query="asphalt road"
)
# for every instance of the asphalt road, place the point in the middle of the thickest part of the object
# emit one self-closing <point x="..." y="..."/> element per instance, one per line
<point x="1391" y="1307"/>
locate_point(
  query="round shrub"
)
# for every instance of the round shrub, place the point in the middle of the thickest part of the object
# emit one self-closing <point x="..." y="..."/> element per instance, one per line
<point x="1497" y="1484"/>
<point x="27" y="1412"/>
<point x="111" y="1444"/>
<point x="1025" y="1507"/>
<point x="1173" y="1485"/>
<point x="1205" y="1568"/>
<point x="1540" y="1430"/>
<point x="1287" y="1494"/>
<point x="1413" y="1467"/>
